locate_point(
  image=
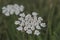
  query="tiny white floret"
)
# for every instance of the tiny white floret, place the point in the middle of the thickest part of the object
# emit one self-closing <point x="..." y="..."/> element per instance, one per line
<point x="21" y="18"/>
<point x="36" y="32"/>
<point x="34" y="13"/>
<point x="3" y="8"/>
<point x="29" y="31"/>
<point x="32" y="28"/>
<point x="22" y="15"/>
<point x="25" y="28"/>
<point x="21" y="8"/>
<point x="7" y="14"/>
<point x="43" y="24"/>
<point x="19" y="28"/>
<point x="17" y="22"/>
<point x="38" y="27"/>
<point x="40" y="18"/>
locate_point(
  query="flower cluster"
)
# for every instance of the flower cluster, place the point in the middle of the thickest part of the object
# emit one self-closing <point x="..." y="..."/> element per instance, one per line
<point x="11" y="9"/>
<point x="30" y="23"/>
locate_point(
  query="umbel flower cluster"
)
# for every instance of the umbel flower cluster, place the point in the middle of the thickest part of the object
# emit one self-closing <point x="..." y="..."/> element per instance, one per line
<point x="29" y="23"/>
<point x="11" y="9"/>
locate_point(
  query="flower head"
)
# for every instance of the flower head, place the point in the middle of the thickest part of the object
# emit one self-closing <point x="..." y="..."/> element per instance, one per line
<point x="43" y="24"/>
<point x="21" y="8"/>
<point x="17" y="22"/>
<point x="11" y="9"/>
<point x="22" y="15"/>
<point x="34" y="13"/>
<point x="19" y="28"/>
<point x="31" y="23"/>
<point x="29" y="31"/>
<point x="36" y="32"/>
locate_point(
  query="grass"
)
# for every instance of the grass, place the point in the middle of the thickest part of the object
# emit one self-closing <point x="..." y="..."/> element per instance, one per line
<point x="48" y="9"/>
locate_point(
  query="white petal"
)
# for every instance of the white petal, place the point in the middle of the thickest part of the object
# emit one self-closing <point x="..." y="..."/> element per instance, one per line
<point x="17" y="12"/>
<point x="35" y="18"/>
<point x="16" y="6"/>
<point x="34" y="13"/>
<point x="17" y="22"/>
<point x="29" y="26"/>
<point x="25" y="28"/>
<point x="28" y="16"/>
<point x="43" y="24"/>
<point x="36" y="23"/>
<point x="26" y="23"/>
<point x="29" y="31"/>
<point x="19" y="28"/>
<point x="39" y="21"/>
<point x="7" y="14"/>
<point x="4" y="11"/>
<point x="22" y="15"/>
<point x="21" y="18"/>
<point x="22" y="24"/>
<point x="9" y="8"/>
<point x="38" y="27"/>
<point x="32" y="28"/>
<point x="21" y="8"/>
<point x="40" y="18"/>
<point x="36" y="32"/>
<point x="3" y="8"/>
<point x="11" y="11"/>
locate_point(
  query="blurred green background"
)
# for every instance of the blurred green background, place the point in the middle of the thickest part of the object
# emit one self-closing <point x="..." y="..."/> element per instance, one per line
<point x="48" y="9"/>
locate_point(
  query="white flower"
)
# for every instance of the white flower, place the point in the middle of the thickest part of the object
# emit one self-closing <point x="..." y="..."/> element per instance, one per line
<point x="19" y="28"/>
<point x="36" y="32"/>
<point x="22" y="24"/>
<point x="9" y="7"/>
<point x="40" y="18"/>
<point x="23" y="21"/>
<point x="34" y="13"/>
<point x="29" y="31"/>
<point x="32" y="28"/>
<point x="21" y="18"/>
<point x="7" y="10"/>
<point x="29" y="26"/>
<point x="7" y="14"/>
<point x="21" y="8"/>
<point x="38" y="21"/>
<point x="35" y="18"/>
<point x="17" y="22"/>
<point x="22" y="15"/>
<point x="12" y="11"/>
<point x="17" y="12"/>
<point x="28" y="16"/>
<point x="30" y="23"/>
<point x="4" y="10"/>
<point x="16" y="6"/>
<point x="26" y="23"/>
<point x="43" y="24"/>
<point x="38" y="27"/>
<point x="25" y="28"/>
